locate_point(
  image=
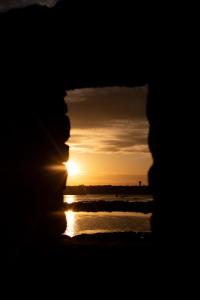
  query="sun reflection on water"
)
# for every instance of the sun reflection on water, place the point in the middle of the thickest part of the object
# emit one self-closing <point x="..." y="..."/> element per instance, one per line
<point x="69" y="199"/>
<point x="70" y="218"/>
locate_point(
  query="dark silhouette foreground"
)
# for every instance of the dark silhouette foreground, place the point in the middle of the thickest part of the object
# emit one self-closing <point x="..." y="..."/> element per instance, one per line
<point x="44" y="54"/>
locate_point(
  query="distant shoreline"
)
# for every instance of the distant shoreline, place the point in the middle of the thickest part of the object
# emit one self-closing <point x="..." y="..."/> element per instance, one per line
<point x="107" y="190"/>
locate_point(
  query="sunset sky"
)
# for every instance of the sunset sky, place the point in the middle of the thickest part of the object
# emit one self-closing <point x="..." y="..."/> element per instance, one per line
<point x="108" y="140"/>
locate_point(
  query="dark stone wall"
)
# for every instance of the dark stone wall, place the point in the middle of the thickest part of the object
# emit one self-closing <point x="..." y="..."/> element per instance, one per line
<point x="33" y="127"/>
<point x="43" y="53"/>
<point x="154" y="140"/>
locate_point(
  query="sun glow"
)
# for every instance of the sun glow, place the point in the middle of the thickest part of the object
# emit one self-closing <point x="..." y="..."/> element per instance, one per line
<point x="69" y="199"/>
<point x="72" y="168"/>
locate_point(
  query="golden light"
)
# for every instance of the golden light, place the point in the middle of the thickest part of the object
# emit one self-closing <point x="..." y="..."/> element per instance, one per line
<point x="69" y="199"/>
<point x="70" y="218"/>
<point x="72" y="168"/>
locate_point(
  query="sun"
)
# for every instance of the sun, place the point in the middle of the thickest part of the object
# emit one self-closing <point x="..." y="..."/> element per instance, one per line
<point x="72" y="168"/>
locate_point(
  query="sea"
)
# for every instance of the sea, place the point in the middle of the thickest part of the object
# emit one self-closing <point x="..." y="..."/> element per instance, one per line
<point x="82" y="222"/>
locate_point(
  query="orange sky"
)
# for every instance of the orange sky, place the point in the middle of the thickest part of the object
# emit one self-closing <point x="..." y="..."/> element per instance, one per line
<point x="109" y="136"/>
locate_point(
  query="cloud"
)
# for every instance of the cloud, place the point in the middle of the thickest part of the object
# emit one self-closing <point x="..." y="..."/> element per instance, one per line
<point x="108" y="120"/>
<point x="111" y="139"/>
<point x="102" y="107"/>
<point x="7" y="4"/>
